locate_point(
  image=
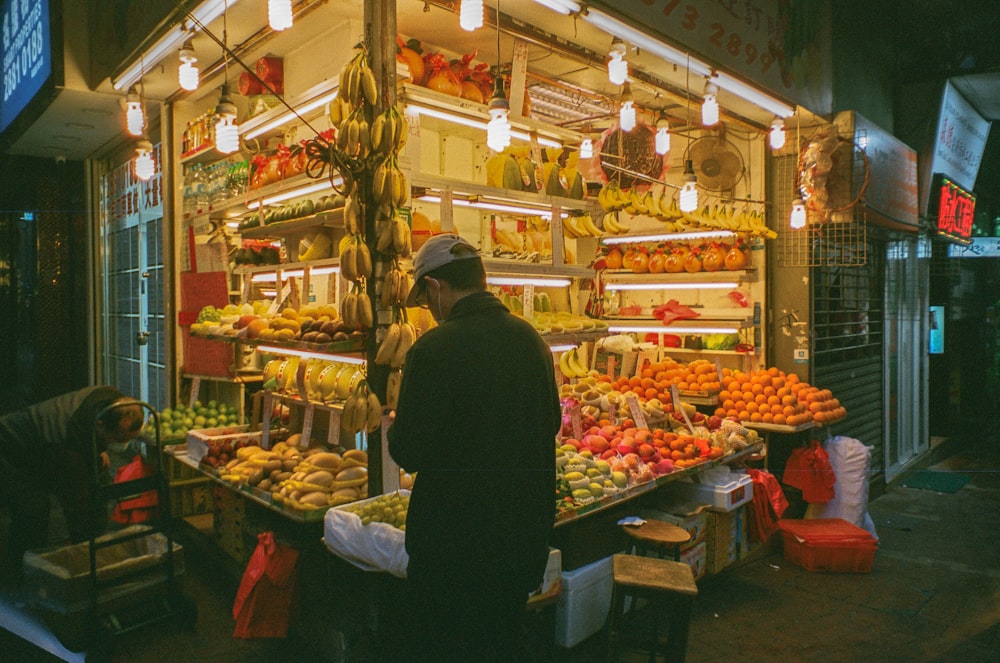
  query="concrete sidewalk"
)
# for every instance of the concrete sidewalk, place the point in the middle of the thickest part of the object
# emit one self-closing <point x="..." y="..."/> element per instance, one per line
<point x="933" y="595"/>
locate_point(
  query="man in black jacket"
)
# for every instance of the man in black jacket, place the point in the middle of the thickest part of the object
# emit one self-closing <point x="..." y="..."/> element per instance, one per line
<point x="55" y="448"/>
<point x="476" y="420"/>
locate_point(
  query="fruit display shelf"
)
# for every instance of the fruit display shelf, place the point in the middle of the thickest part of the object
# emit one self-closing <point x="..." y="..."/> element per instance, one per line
<point x="778" y="428"/>
<point x="352" y="345"/>
<point x="634" y="491"/>
<point x="256" y="496"/>
<point x="574" y="338"/>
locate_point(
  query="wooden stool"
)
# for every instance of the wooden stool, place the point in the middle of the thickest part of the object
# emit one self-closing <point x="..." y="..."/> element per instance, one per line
<point x="657" y="536"/>
<point x="670" y="589"/>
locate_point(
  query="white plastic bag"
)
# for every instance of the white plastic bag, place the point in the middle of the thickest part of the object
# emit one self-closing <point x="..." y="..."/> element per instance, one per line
<point x="371" y="547"/>
<point x="851" y="462"/>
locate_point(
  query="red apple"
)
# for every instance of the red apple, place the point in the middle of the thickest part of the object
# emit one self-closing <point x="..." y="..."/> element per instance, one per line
<point x="625" y="448"/>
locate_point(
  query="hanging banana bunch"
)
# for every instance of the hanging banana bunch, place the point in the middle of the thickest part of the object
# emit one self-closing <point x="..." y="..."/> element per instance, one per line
<point x="362" y="411"/>
<point x="355" y="259"/>
<point x="357" y="81"/>
<point x="353" y="214"/>
<point x="394" y="236"/>
<point x="395" y="287"/>
<point x="389" y="185"/>
<point x="388" y="132"/>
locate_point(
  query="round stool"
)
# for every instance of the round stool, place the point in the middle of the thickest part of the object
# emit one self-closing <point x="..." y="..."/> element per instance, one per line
<point x="670" y="589"/>
<point x="656" y="536"/>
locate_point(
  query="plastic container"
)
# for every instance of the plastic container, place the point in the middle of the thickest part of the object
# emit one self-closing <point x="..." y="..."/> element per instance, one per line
<point x="584" y="602"/>
<point x="828" y="544"/>
<point x="726" y="495"/>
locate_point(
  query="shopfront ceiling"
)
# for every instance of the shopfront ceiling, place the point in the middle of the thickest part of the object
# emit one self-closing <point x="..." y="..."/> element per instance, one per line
<point x="564" y="54"/>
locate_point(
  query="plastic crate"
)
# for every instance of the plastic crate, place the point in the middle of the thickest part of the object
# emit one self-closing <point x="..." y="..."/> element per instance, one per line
<point x="828" y="544"/>
<point x="730" y="494"/>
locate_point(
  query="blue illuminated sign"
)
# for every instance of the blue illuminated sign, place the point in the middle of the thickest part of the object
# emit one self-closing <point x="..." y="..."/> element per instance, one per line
<point x="27" y="55"/>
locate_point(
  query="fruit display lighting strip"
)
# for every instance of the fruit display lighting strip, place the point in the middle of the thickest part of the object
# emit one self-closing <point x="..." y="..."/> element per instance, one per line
<point x="268" y="277"/>
<point x="292" y="193"/>
<point x="478" y="124"/>
<point x="644" y="329"/>
<point x="566" y="347"/>
<point x="497" y="207"/>
<point x="665" y="237"/>
<point x="285" y="118"/>
<point x="308" y="354"/>
<point x="538" y="282"/>
<point x="672" y="286"/>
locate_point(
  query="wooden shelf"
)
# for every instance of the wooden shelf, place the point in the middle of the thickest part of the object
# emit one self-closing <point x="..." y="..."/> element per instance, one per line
<point x="328" y="219"/>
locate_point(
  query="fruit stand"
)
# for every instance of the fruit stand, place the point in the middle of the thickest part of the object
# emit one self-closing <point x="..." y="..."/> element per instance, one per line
<point x="654" y="309"/>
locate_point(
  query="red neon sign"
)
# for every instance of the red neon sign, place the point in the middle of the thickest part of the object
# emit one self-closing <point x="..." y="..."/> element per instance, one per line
<point x="956" y="210"/>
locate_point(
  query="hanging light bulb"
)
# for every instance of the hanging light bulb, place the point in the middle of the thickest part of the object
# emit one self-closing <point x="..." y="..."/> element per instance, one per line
<point x="617" y="65"/>
<point x="227" y="131"/>
<point x="498" y="128"/>
<point x="279" y="14"/>
<point x="626" y="116"/>
<point x="145" y="167"/>
<point x="689" y="192"/>
<point x="710" y="106"/>
<point x="135" y="120"/>
<point x="798" y="217"/>
<point x="662" y="134"/>
<point x="470" y="15"/>
<point x="586" y="148"/>
<point x="777" y="134"/>
<point x="187" y="71"/>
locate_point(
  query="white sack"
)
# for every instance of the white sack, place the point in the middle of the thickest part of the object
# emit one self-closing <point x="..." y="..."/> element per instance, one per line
<point x="851" y="462"/>
<point x="371" y="547"/>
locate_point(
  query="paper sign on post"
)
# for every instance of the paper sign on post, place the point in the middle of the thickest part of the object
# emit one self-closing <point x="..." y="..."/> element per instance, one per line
<point x="638" y="416"/>
<point x="307" y="423"/>
<point x="333" y="431"/>
<point x="195" y="390"/>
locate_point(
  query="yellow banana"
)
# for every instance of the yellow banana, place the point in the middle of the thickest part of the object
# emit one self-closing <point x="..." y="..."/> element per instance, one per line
<point x="407" y="336"/>
<point x="392" y="389"/>
<point x="364" y="260"/>
<point x="388" y="347"/>
<point x="588" y="225"/>
<point x="374" y="415"/>
<point x="349" y="262"/>
<point x="366" y="316"/>
<point x="564" y="367"/>
<point x="368" y="88"/>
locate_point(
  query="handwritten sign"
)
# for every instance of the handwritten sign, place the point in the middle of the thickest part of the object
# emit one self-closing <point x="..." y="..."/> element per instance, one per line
<point x="960" y="140"/>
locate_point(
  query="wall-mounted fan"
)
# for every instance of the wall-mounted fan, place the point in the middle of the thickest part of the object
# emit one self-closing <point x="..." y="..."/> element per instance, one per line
<point x="717" y="163"/>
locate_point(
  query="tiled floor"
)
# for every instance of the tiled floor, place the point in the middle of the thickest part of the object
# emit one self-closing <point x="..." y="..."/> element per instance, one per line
<point x="933" y="595"/>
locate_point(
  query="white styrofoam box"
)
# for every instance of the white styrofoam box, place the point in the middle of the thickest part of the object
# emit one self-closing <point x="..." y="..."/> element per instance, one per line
<point x="720" y="494"/>
<point x="693" y="524"/>
<point x="584" y="602"/>
<point x="551" y="580"/>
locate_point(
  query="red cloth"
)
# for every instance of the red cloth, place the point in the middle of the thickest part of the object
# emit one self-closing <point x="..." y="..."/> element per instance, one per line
<point x="768" y="505"/>
<point x="138" y="509"/>
<point x="265" y="598"/>
<point x="809" y="470"/>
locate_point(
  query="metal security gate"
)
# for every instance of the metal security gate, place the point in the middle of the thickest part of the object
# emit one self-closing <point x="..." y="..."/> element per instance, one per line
<point x="133" y="283"/>
<point x="847" y="346"/>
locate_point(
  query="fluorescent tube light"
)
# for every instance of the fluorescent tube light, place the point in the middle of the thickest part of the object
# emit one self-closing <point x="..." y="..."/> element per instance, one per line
<point x="203" y="14"/>
<point x="291" y="193"/>
<point x="665" y="237"/>
<point x="669" y="329"/>
<point x="672" y="286"/>
<point x="538" y="282"/>
<point x="752" y="94"/>
<point x="285" y="118"/>
<point x="477" y="124"/>
<point x="642" y="41"/>
<point x="564" y="7"/>
<point x="307" y="354"/>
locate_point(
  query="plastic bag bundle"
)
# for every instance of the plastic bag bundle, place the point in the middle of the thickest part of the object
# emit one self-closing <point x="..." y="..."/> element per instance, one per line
<point x="851" y="462"/>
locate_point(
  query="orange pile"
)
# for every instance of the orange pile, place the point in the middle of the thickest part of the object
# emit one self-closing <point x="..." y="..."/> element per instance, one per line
<point x="771" y="396"/>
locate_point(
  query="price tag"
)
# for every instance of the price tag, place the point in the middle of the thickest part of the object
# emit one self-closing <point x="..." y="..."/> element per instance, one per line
<point x="646" y="356"/>
<point x="612" y="361"/>
<point x="675" y="397"/>
<point x="447" y="214"/>
<point x="247" y="288"/>
<point x="528" y="298"/>
<point x="268" y="408"/>
<point x="195" y="390"/>
<point x="638" y="416"/>
<point x="307" y="423"/>
<point x="333" y="431"/>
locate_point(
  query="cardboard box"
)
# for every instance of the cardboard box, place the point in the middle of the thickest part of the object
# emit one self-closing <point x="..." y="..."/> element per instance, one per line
<point x="551" y="581"/>
<point x="584" y="602"/>
<point x="695" y="557"/>
<point x="724" y="535"/>
<point x="828" y="544"/>
<point x="59" y="580"/>
<point x="693" y="524"/>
